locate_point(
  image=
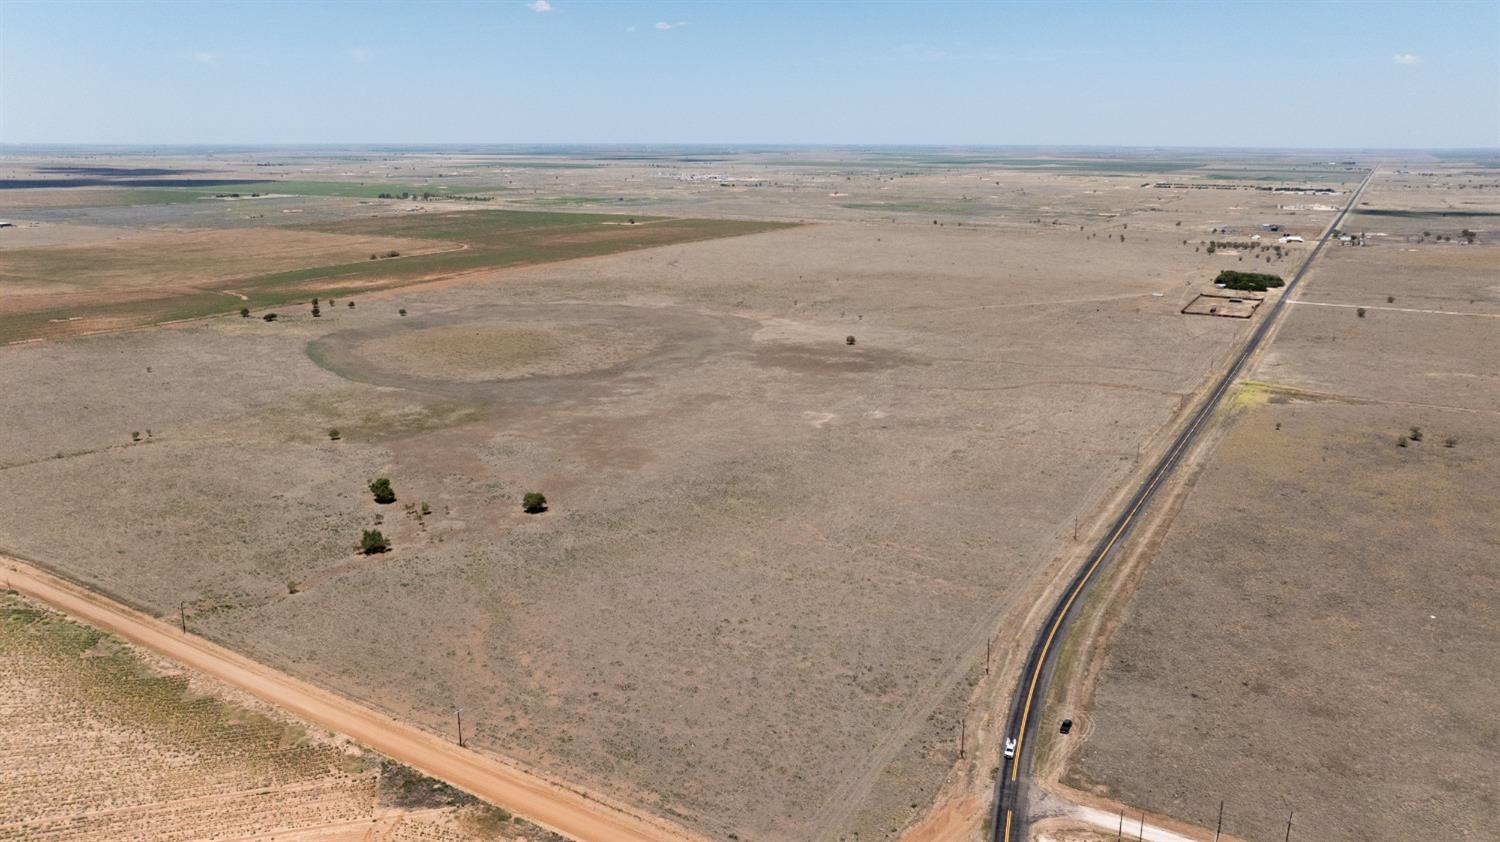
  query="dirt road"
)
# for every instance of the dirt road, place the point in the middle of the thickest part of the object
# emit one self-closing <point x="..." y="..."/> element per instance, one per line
<point x="540" y="801"/>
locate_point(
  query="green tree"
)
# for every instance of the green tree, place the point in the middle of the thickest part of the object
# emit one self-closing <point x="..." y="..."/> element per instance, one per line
<point x="535" y="502"/>
<point x="382" y="490"/>
<point x="244" y="312"/>
<point x="373" y="542"/>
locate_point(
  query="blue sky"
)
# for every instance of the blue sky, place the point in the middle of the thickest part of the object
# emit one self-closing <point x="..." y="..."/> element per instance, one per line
<point x="1383" y="75"/>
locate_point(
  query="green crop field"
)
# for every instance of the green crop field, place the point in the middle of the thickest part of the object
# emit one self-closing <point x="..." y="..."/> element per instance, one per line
<point x="489" y="239"/>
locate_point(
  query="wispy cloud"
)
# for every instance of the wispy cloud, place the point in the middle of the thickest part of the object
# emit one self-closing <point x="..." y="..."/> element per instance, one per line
<point x="358" y="55"/>
<point x="206" y="57"/>
<point x="539" y="6"/>
<point x="1407" y="58"/>
<point x="630" y="29"/>
<point x="928" y="52"/>
<point x="663" y="25"/>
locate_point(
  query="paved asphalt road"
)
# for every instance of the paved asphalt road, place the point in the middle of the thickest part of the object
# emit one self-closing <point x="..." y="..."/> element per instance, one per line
<point x="1025" y="715"/>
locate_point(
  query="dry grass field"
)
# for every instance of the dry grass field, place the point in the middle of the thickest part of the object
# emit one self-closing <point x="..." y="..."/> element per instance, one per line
<point x="760" y="597"/>
<point x="104" y="742"/>
<point x="163" y="260"/>
<point x="1317" y="633"/>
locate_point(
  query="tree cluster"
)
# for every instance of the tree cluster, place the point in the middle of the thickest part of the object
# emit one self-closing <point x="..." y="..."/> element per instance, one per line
<point x="1248" y="281"/>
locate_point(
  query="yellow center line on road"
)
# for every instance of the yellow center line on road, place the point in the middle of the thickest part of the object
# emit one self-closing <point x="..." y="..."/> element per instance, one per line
<point x="1036" y="674"/>
<point x="1163" y="469"/>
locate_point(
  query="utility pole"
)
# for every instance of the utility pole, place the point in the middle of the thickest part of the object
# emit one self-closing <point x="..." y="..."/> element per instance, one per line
<point x="1120" y="831"/>
<point x="1220" y="826"/>
<point x="182" y="616"/>
<point x="1288" y="826"/>
<point x="459" y="712"/>
<point x="963" y="733"/>
<point x="1141" y="835"/>
<point x="987" y="644"/>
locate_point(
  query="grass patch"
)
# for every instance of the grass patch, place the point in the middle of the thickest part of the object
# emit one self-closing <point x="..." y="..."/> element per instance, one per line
<point x="106" y="196"/>
<point x="346" y="189"/>
<point x="494" y="239"/>
<point x="1252" y="394"/>
<point x="572" y="200"/>
<point x="937" y="208"/>
<point x="404" y="787"/>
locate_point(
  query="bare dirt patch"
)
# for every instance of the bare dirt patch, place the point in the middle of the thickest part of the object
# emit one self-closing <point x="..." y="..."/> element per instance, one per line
<point x="488" y="352"/>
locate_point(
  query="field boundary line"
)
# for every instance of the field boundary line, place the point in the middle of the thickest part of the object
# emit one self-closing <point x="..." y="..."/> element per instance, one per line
<point x="1306" y="303"/>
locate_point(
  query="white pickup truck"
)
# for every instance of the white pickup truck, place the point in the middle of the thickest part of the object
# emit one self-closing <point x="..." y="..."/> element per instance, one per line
<point x="1010" y="746"/>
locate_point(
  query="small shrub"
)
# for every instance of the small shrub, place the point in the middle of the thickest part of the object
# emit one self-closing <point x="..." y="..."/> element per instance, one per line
<point x="535" y="502"/>
<point x="1450" y="442"/>
<point x="426" y="509"/>
<point x="382" y="490"/>
<point x="848" y="340"/>
<point x="351" y="305"/>
<point x="333" y="434"/>
<point x="1415" y="434"/>
<point x="1360" y="312"/>
<point x="373" y="542"/>
<point x="1401" y="442"/>
<point x="244" y="312"/>
<point x="403" y="311"/>
<point x="270" y="317"/>
<point x="291" y="586"/>
<point x="135" y="436"/>
<point x="1390" y="299"/>
<point x="316" y="312"/>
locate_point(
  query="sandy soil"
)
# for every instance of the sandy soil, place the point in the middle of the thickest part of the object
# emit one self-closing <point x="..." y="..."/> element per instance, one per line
<point x="489" y="352"/>
<point x="538" y="800"/>
<point x="107" y="741"/>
